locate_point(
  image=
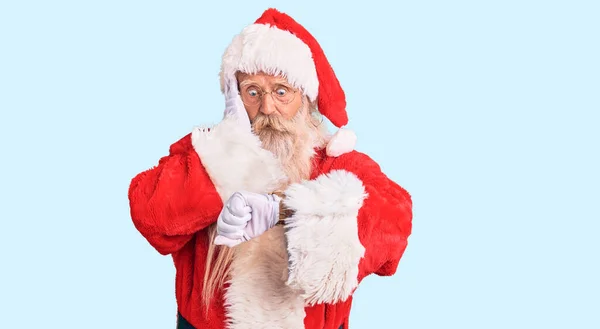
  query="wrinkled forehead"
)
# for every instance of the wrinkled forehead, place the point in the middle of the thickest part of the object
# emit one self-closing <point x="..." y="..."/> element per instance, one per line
<point x="260" y="79"/>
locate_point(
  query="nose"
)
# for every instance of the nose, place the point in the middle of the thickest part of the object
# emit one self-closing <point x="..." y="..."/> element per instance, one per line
<point x="268" y="105"/>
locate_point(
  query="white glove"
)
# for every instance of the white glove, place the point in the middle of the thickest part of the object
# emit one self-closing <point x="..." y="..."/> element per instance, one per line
<point x="245" y="216"/>
<point x="234" y="105"/>
<point x="233" y="218"/>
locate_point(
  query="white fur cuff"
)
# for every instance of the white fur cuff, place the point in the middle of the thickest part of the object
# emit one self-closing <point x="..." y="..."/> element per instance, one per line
<point x="322" y="236"/>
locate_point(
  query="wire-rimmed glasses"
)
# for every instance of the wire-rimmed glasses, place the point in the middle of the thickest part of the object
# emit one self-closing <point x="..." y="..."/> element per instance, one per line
<point x="253" y="95"/>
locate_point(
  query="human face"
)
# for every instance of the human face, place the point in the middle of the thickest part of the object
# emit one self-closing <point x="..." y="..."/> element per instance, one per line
<point x="269" y="92"/>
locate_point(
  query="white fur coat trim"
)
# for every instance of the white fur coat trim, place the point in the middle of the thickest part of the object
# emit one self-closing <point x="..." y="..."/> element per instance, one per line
<point x="234" y="159"/>
<point x="271" y="279"/>
<point x="322" y="237"/>
<point x="257" y="296"/>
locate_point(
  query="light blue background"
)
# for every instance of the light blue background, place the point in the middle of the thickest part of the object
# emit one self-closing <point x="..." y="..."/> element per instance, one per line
<point x="486" y="111"/>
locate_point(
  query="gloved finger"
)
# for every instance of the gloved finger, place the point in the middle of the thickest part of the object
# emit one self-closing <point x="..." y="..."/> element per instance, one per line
<point x="238" y="205"/>
<point x="238" y="211"/>
<point x="231" y="219"/>
<point x="232" y="94"/>
<point x="226" y="226"/>
<point x="234" y="106"/>
<point x="242" y="114"/>
<point x="224" y="241"/>
<point x="230" y="231"/>
<point x="231" y="87"/>
<point x="256" y="200"/>
<point x="233" y="235"/>
<point x="233" y="103"/>
<point x="227" y="88"/>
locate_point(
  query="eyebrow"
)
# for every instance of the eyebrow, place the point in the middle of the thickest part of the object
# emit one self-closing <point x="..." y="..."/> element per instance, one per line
<point x="245" y="83"/>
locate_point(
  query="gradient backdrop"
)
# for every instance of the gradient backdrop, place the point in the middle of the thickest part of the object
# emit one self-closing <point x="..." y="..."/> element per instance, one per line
<point x="486" y="111"/>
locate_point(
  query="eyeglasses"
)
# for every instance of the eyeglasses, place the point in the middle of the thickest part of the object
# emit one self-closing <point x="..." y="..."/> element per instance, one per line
<point x="253" y="95"/>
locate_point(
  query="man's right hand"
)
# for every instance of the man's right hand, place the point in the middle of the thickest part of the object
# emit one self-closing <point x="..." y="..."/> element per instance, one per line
<point x="245" y="216"/>
<point x="233" y="103"/>
<point x="232" y="221"/>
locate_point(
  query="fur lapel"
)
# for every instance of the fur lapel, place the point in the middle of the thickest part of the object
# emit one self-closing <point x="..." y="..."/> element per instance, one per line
<point x="234" y="159"/>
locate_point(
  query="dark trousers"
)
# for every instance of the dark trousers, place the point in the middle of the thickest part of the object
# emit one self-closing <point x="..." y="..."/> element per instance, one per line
<point x="183" y="324"/>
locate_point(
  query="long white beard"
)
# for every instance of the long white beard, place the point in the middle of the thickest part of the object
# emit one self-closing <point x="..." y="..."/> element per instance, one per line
<point x="259" y="267"/>
<point x="292" y="141"/>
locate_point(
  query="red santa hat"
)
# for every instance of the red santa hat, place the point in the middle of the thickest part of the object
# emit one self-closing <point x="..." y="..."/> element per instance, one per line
<point x="276" y="44"/>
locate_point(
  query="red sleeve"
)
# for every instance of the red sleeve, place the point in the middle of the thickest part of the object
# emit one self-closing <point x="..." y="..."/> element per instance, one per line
<point x="174" y="200"/>
<point x="349" y="222"/>
<point x="384" y="220"/>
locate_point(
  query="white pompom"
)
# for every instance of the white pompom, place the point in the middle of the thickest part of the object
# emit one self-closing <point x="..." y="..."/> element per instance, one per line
<point x="343" y="141"/>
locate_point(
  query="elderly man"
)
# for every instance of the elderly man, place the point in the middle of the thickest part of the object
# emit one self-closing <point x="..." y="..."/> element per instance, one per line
<point x="271" y="221"/>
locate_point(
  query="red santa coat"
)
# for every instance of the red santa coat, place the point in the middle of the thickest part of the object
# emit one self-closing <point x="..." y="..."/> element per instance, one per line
<point x="350" y="221"/>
